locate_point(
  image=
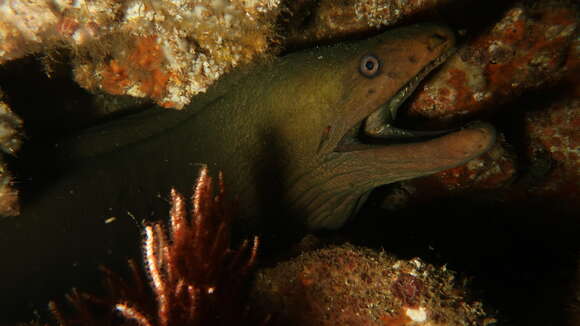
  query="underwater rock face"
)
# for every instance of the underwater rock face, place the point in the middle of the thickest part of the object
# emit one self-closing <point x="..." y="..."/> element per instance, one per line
<point x="23" y="27"/>
<point x="164" y="50"/>
<point x="347" y="285"/>
<point x="315" y="21"/>
<point x="526" y="49"/>
<point x="554" y="150"/>
<point x="10" y="142"/>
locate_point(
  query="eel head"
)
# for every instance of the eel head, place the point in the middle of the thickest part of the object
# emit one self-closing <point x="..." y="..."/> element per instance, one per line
<point x="355" y="146"/>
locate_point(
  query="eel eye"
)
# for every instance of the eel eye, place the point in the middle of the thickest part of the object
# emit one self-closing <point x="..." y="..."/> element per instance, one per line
<point x="370" y="66"/>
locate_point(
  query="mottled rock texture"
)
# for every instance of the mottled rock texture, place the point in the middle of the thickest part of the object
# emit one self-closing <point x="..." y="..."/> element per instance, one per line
<point x="347" y="285"/>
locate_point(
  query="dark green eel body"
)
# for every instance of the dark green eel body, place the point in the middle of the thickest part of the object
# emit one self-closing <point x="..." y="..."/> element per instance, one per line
<point x="303" y="138"/>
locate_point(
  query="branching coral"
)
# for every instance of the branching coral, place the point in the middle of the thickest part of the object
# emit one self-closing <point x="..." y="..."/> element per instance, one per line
<point x="195" y="277"/>
<point x="164" y="50"/>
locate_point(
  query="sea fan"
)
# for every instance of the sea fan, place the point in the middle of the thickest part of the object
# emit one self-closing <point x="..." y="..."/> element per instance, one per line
<point x="196" y="279"/>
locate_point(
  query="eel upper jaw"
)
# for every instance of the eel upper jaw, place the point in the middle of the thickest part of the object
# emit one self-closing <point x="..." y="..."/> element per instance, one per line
<point x="378" y="128"/>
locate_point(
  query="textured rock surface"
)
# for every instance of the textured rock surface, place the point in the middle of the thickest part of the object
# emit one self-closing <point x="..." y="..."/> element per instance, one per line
<point x="349" y="285"/>
<point x="10" y="142"/>
<point x="322" y="20"/>
<point x="554" y="150"/>
<point x="164" y="50"/>
<point x="526" y="49"/>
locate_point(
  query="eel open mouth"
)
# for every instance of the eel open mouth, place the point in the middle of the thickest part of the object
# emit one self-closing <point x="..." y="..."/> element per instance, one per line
<point x="378" y="128"/>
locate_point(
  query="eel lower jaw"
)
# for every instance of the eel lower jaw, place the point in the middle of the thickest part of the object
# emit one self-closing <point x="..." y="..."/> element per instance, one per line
<point x="424" y="155"/>
<point x="355" y="140"/>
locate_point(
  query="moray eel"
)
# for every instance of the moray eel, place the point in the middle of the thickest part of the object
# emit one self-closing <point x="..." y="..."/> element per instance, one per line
<point x="305" y="137"/>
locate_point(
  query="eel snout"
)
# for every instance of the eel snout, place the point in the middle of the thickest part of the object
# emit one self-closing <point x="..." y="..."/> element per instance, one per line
<point x="380" y="124"/>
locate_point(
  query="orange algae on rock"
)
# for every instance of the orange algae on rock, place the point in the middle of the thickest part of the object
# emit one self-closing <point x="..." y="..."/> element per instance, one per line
<point x="180" y="47"/>
<point x="526" y="49"/>
<point x="348" y="285"/>
<point x="115" y="78"/>
<point x="144" y="69"/>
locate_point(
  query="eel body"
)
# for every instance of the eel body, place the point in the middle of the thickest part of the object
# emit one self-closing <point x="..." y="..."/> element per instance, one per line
<point x="305" y="137"/>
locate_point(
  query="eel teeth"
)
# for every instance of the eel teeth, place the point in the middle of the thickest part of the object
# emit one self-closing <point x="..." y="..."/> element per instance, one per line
<point x="394" y="133"/>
